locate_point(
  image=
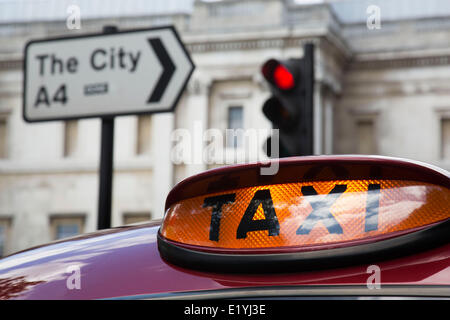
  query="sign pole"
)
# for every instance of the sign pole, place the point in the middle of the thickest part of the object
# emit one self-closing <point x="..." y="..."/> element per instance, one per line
<point x="106" y="164"/>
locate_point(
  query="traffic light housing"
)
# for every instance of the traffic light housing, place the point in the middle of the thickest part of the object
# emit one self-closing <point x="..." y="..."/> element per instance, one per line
<point x="290" y="108"/>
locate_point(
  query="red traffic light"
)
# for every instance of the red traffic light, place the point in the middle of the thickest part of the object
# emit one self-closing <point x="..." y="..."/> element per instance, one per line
<point x="283" y="78"/>
<point x="277" y="74"/>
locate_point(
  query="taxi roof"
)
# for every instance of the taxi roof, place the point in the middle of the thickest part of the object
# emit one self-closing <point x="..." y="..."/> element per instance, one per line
<point x="125" y="262"/>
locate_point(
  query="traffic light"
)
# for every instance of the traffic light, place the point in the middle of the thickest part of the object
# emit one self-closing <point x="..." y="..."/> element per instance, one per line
<point x="290" y="108"/>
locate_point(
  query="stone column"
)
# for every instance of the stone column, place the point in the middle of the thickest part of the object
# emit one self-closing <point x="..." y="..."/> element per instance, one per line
<point x="196" y="121"/>
<point x="162" y="176"/>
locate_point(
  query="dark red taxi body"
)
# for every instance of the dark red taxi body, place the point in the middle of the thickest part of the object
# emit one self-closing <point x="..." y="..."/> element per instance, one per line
<point x="125" y="262"/>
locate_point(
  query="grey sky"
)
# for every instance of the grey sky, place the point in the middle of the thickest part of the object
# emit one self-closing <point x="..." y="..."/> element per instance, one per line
<point x="348" y="11"/>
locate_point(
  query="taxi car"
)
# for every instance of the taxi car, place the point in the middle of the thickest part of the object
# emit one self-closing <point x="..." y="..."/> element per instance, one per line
<point x="322" y="226"/>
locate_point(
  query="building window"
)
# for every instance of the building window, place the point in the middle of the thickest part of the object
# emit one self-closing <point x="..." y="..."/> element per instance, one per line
<point x="144" y="127"/>
<point x="136" y="217"/>
<point x="70" y="137"/>
<point x="235" y="122"/>
<point x="3" y="137"/>
<point x="5" y="224"/>
<point x="366" y="137"/>
<point x="65" y="226"/>
<point x="445" y="138"/>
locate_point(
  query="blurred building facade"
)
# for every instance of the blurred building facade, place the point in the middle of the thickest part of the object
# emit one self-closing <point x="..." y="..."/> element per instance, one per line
<point x="379" y="90"/>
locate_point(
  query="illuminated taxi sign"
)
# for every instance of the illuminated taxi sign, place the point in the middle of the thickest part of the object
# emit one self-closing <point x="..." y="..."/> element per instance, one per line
<point x="305" y="214"/>
<point x="287" y="225"/>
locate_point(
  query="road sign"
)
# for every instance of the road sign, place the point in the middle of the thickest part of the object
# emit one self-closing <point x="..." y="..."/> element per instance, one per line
<point x="99" y="75"/>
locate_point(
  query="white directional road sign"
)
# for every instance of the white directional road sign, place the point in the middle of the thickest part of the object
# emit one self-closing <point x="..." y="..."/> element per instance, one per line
<point x="129" y="72"/>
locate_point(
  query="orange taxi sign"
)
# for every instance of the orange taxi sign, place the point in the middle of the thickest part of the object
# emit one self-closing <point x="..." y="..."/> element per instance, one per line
<point x="305" y="214"/>
<point x="315" y="210"/>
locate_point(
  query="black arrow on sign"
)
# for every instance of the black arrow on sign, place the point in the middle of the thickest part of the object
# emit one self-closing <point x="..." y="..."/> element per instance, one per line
<point x="168" y="69"/>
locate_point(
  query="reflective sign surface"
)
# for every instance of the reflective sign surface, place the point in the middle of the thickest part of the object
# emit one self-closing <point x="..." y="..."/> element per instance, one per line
<point x="305" y="214"/>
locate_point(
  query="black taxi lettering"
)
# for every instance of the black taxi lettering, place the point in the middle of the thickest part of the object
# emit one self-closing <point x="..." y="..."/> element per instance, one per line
<point x="320" y="204"/>
<point x="216" y="203"/>
<point x="321" y="210"/>
<point x="270" y="222"/>
<point x="373" y="205"/>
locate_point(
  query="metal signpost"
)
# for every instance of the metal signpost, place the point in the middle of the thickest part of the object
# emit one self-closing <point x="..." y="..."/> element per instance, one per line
<point x="105" y="75"/>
